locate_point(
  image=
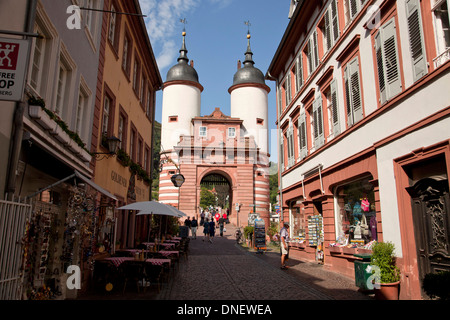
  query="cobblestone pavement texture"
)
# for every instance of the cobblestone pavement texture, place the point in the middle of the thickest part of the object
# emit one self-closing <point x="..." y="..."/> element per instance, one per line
<point x="223" y="270"/>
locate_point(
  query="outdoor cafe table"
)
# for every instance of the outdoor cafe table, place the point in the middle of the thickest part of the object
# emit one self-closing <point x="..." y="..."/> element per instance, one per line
<point x="167" y="253"/>
<point x="133" y="251"/>
<point x="164" y="244"/>
<point x="117" y="261"/>
<point x="173" y="240"/>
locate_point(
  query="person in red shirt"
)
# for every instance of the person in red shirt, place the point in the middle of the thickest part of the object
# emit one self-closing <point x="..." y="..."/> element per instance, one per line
<point x="217" y="216"/>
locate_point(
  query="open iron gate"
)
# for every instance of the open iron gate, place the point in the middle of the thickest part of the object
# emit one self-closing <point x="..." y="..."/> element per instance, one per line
<point x="13" y="220"/>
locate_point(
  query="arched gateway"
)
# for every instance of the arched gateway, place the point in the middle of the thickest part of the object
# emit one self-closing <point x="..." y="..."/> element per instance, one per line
<point x="230" y="151"/>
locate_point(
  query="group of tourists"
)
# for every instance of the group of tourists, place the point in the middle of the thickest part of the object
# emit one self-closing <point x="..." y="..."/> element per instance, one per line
<point x="209" y="220"/>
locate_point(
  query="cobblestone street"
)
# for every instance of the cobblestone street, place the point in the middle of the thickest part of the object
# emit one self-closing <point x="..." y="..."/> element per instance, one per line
<point x="224" y="270"/>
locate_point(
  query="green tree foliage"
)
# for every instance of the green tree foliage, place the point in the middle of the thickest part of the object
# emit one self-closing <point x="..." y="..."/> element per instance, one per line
<point x="273" y="185"/>
<point x="207" y="198"/>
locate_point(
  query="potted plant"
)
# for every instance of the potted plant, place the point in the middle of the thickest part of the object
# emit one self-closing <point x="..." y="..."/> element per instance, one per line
<point x="388" y="282"/>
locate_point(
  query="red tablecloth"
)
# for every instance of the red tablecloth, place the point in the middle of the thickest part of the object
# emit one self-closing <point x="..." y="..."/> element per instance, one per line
<point x="117" y="261"/>
<point x="167" y="253"/>
<point x="158" y="262"/>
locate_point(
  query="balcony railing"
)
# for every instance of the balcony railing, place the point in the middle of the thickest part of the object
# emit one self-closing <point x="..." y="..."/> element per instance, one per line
<point x="190" y="141"/>
<point x="442" y="58"/>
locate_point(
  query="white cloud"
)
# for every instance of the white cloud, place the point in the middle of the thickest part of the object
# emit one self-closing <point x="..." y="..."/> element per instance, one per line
<point x="163" y="24"/>
<point x="167" y="55"/>
<point x="163" y="21"/>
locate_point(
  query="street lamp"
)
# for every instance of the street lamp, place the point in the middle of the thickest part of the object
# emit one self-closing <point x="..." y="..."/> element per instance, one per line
<point x="113" y="146"/>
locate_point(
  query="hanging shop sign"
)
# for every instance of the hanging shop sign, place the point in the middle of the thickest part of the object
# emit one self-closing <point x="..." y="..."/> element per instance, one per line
<point x="177" y="180"/>
<point x="13" y="63"/>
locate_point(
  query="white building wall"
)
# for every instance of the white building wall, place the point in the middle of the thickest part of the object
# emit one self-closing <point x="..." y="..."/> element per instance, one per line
<point x="248" y="104"/>
<point x="183" y="101"/>
<point x="426" y="136"/>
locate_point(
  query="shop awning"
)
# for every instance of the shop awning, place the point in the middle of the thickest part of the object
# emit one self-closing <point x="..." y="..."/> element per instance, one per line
<point x="81" y="177"/>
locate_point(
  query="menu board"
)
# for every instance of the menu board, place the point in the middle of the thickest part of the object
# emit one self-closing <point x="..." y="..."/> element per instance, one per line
<point x="260" y="234"/>
<point x="315" y="230"/>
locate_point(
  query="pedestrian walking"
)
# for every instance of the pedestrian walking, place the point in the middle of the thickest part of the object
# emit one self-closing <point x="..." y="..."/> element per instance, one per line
<point x="284" y="238"/>
<point x="221" y="225"/>
<point x="225" y="217"/>
<point x="187" y="223"/>
<point x="194" y="225"/>
<point x="217" y="216"/>
<point x="206" y="229"/>
<point x="202" y="218"/>
<point x="212" y="230"/>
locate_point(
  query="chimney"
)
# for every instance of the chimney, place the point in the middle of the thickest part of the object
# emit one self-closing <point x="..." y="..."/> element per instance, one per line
<point x="239" y="64"/>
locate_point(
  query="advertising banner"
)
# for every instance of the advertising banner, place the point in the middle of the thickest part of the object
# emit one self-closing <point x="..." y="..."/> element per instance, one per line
<point x="13" y="66"/>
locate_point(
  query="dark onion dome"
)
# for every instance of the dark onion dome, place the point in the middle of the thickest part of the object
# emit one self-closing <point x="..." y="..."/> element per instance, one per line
<point x="248" y="74"/>
<point x="182" y="71"/>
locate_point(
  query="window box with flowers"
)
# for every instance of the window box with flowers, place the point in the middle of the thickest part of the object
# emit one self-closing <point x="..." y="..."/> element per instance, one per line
<point x="57" y="128"/>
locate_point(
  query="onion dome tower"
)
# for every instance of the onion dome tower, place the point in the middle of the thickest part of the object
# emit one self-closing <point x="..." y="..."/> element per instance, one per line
<point x="181" y="100"/>
<point x="249" y="100"/>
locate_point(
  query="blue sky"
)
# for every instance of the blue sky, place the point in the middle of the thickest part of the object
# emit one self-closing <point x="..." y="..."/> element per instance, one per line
<point x="216" y="40"/>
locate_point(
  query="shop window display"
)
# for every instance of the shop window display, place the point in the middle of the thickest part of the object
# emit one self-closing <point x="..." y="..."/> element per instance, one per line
<point x="298" y="226"/>
<point x="356" y="216"/>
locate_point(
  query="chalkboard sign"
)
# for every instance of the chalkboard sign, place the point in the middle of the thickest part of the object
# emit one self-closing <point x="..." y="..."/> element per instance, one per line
<point x="260" y="234"/>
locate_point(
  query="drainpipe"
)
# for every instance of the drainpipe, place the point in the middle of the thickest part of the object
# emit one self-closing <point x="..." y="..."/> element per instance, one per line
<point x="17" y="128"/>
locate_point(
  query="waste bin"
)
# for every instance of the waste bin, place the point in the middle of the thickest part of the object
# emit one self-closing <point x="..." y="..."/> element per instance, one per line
<point x="361" y="273"/>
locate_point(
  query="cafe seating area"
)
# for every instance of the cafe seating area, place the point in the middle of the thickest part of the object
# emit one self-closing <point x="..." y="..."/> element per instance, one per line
<point x="148" y="266"/>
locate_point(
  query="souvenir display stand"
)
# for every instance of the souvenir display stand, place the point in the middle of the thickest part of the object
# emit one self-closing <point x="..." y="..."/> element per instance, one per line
<point x="260" y="235"/>
<point x="315" y="233"/>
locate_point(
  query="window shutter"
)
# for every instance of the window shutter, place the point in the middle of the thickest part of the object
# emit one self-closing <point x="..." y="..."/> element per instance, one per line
<point x="316" y="50"/>
<point x="355" y="88"/>
<point x="315" y="123"/>
<point x="327" y="30"/>
<point x="379" y="54"/>
<point x="291" y="146"/>
<point x="299" y="73"/>
<point x="334" y="108"/>
<point x="416" y="39"/>
<point x="348" y="98"/>
<point x="391" y="61"/>
<point x="288" y="88"/>
<point x="310" y="56"/>
<point x="335" y="20"/>
<point x="303" y="141"/>
<point x="320" y="134"/>
<point x="353" y="8"/>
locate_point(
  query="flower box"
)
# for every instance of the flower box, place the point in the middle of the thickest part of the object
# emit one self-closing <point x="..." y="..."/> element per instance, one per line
<point x="41" y="117"/>
<point x="74" y="147"/>
<point x="56" y="130"/>
<point x="85" y="156"/>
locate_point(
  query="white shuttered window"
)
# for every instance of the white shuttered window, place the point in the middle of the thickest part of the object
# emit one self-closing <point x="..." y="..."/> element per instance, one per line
<point x="416" y="39"/>
<point x="386" y="50"/>
<point x="353" y="92"/>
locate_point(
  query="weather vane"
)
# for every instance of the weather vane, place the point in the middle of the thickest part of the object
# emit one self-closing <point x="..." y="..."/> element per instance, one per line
<point x="248" y="24"/>
<point x="184" y="21"/>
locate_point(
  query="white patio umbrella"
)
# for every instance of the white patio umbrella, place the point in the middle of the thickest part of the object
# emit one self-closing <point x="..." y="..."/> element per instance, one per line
<point x="153" y="207"/>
